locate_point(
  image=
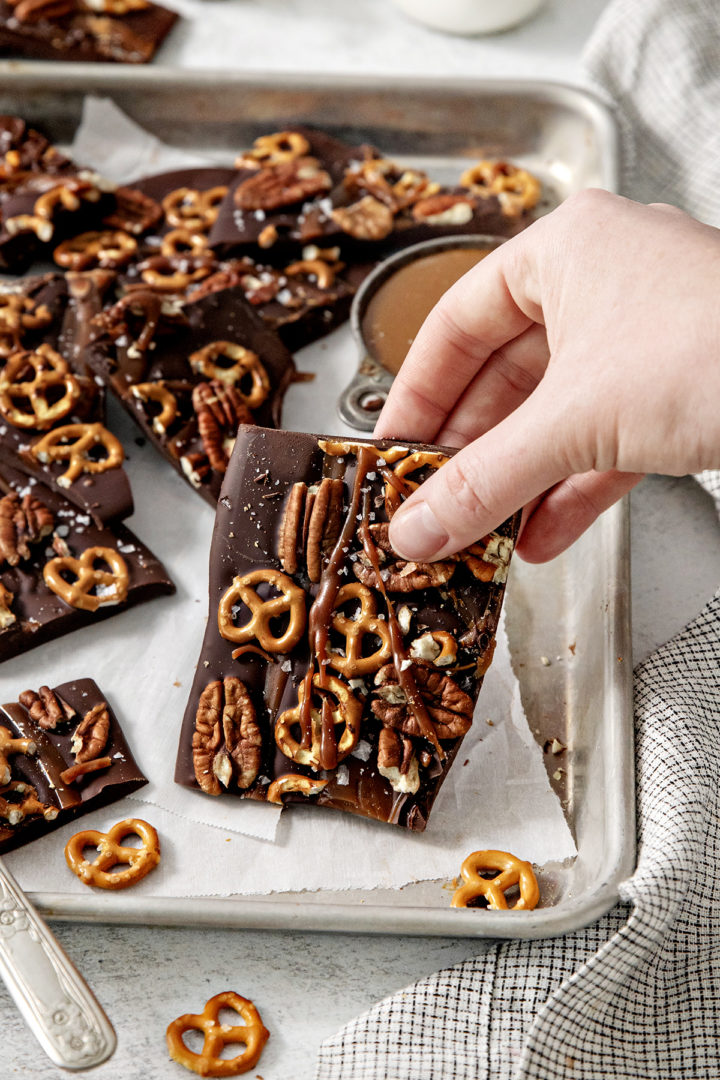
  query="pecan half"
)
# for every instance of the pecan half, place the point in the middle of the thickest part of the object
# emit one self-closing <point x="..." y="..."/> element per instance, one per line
<point x="397" y="574"/>
<point x="450" y="708"/>
<point x="444" y="210"/>
<point x="22" y="522"/>
<point x="282" y="185"/>
<point x="324" y="524"/>
<point x="367" y="219"/>
<point x="397" y="762"/>
<point x="32" y="11"/>
<point x="46" y="709"/>
<point x="289" y="533"/>
<point x="134" y="211"/>
<point x="227" y="740"/>
<point x="91" y="735"/>
<point x="220" y="410"/>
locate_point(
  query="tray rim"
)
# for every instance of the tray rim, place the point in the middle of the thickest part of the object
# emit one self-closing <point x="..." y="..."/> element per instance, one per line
<point x="249" y="912"/>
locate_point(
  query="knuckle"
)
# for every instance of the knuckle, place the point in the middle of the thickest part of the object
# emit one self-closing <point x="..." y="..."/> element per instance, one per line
<point x="463" y="486"/>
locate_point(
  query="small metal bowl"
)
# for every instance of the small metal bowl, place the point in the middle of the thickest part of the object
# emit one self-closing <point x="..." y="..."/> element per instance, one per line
<point x="362" y="400"/>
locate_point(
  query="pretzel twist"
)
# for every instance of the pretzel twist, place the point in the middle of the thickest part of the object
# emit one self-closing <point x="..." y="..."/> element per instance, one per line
<point x="274" y="149"/>
<point x="516" y="189"/>
<point x="347" y="712"/>
<point x="34" y="378"/>
<point x="109" y="248"/>
<point x="353" y="663"/>
<point x="291" y="602"/>
<point x="73" y="443"/>
<point x="139" y="860"/>
<point x="405" y="468"/>
<point x="511" y="871"/>
<point x="161" y="273"/>
<point x="253" y="1034"/>
<point x="245" y="363"/>
<point x="188" y="208"/>
<point x="114" y="583"/>
<point x="182" y="241"/>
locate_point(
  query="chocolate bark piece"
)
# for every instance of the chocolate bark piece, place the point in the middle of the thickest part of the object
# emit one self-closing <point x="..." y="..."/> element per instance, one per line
<point x="369" y="205"/>
<point x="125" y="33"/>
<point x="343" y="675"/>
<point x="40" y="796"/>
<point x="189" y="372"/>
<point x="52" y="411"/>
<point x="68" y="577"/>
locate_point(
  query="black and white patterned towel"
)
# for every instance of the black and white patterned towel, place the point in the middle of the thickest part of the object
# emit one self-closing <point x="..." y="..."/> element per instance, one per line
<point x="636" y="996"/>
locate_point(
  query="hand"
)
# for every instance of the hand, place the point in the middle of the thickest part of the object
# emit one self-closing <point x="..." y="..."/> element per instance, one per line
<point x="574" y="358"/>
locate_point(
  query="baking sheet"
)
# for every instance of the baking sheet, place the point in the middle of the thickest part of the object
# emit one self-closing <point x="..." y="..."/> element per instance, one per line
<point x="564" y="683"/>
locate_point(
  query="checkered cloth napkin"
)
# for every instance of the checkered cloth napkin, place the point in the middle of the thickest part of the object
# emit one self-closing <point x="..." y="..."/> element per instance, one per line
<point x="636" y="995"/>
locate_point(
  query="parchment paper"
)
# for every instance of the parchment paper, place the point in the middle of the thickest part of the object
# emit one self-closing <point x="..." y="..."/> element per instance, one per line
<point x="497" y="794"/>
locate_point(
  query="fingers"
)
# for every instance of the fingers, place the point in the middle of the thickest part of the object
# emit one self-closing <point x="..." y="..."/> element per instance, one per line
<point x="489" y="306"/>
<point x="568" y="509"/>
<point x="508" y="377"/>
<point x="516" y="460"/>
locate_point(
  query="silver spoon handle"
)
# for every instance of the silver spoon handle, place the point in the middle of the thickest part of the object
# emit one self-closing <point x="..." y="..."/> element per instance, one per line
<point x="54" y="999"/>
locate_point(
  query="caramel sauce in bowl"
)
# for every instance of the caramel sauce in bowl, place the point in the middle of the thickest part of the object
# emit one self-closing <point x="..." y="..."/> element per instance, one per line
<point x="391" y="306"/>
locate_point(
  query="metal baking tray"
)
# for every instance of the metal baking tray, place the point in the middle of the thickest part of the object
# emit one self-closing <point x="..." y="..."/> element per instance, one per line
<point x="569" y="139"/>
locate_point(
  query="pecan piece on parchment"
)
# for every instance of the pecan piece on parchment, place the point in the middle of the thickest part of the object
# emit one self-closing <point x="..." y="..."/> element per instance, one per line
<point x="450" y="708"/>
<point x="22" y="522"/>
<point x="311" y="523"/>
<point x="46" y="709"/>
<point x="397" y="574"/>
<point x="227" y="742"/>
<point x="282" y="185"/>
<point x="397" y="762"/>
<point x="220" y="410"/>
<point x="91" y="735"/>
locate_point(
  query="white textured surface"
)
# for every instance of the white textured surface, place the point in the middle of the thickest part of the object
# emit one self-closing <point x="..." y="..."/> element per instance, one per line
<point x="306" y="986"/>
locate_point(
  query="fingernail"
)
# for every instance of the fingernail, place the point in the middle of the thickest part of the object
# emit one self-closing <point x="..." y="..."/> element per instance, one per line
<point x="416" y="534"/>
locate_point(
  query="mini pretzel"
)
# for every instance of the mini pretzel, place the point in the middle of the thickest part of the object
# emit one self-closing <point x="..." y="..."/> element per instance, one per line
<point x="353" y="663"/>
<point x="323" y="271"/>
<point x="181" y="241"/>
<point x="18" y="313"/>
<point x="445" y="643"/>
<point x="114" y="583"/>
<point x="157" y="391"/>
<point x="162" y="273"/>
<point x="404" y="468"/>
<point x="10" y="745"/>
<point x="140" y="861"/>
<point x="195" y="210"/>
<point x="275" y="148"/>
<point x="64" y="196"/>
<point x="32" y="379"/>
<point x="246" y="363"/>
<point x="110" y="248"/>
<point x="512" y="871"/>
<point x="74" y="443"/>
<point x="216" y="1036"/>
<point x="15" y="810"/>
<point x="306" y="785"/>
<point x="291" y="601"/>
<point x="517" y="189"/>
<point x="348" y="712"/>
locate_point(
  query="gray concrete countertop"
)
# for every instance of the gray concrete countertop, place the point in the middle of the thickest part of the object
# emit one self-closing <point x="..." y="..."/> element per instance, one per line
<point x="306" y="986"/>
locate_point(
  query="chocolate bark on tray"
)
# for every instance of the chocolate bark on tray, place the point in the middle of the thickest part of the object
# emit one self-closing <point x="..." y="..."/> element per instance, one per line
<point x="52" y="411"/>
<point x="301" y="186"/>
<point x="62" y="754"/>
<point x="59" y="571"/>
<point x="189" y="372"/>
<point x="332" y="671"/>
<point x="120" y="31"/>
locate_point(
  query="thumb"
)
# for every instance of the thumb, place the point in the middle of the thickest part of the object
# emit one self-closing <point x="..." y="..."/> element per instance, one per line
<point x="484" y="483"/>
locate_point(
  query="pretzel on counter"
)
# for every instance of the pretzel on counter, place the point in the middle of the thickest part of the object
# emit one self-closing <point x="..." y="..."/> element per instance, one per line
<point x="216" y="1036"/>
<point x="511" y="871"/>
<point x="140" y="860"/>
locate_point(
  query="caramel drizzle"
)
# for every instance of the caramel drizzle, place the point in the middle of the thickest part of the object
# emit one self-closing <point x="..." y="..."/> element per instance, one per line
<point x="403" y="670"/>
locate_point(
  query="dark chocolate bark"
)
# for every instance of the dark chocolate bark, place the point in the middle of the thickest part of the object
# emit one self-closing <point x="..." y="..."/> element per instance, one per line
<point x="53" y="801"/>
<point x="45" y="320"/>
<point x="40" y="534"/>
<point x="70" y="30"/>
<point x="189" y="372"/>
<point x="395" y="650"/>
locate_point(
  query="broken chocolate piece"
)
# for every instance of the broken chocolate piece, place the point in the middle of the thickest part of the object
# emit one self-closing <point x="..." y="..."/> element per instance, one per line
<point x="359" y="671"/>
<point x="78" y="575"/>
<point x="44" y="790"/>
